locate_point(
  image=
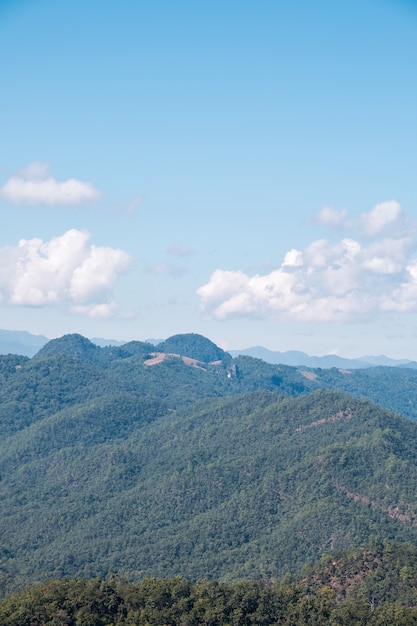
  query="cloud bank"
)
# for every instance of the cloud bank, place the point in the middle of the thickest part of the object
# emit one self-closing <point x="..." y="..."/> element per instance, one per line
<point x="340" y="281"/>
<point x="35" y="186"/>
<point x="66" y="271"/>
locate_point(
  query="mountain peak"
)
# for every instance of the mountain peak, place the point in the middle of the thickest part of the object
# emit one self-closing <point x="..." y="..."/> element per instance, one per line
<point x="72" y="345"/>
<point x="192" y="345"/>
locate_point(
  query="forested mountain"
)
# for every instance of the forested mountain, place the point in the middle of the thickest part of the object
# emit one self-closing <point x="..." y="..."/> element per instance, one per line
<point x="194" y="346"/>
<point x="26" y="344"/>
<point x="214" y="373"/>
<point x="133" y="460"/>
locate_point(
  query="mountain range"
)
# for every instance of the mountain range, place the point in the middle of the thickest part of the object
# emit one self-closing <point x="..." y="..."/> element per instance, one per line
<point x="148" y="460"/>
<point x="24" y="343"/>
<point x="297" y="358"/>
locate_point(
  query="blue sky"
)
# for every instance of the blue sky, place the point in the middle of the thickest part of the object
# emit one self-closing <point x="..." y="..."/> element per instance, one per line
<point x="244" y="170"/>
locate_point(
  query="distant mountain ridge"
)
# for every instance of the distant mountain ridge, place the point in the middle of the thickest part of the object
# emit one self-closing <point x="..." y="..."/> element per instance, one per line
<point x="20" y="342"/>
<point x="26" y="344"/>
<point x="394" y="388"/>
<point x="296" y="358"/>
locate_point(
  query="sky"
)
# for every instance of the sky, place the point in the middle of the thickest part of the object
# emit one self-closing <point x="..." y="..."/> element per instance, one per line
<point x="243" y="170"/>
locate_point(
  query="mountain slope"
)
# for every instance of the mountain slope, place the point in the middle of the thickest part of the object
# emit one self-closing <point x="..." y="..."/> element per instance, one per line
<point x="252" y="486"/>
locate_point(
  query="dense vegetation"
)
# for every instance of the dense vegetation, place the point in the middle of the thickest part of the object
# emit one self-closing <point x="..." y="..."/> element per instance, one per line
<point x="375" y="587"/>
<point x="228" y="470"/>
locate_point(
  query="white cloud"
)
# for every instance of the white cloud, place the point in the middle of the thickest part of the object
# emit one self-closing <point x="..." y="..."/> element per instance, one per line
<point x="35" y="186"/>
<point x="383" y="216"/>
<point x="347" y="280"/>
<point x="98" y="311"/>
<point x="293" y="258"/>
<point x="331" y="217"/>
<point x="66" y="271"/>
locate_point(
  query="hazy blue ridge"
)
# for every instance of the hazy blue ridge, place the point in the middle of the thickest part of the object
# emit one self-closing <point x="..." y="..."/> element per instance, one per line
<point x="297" y="358"/>
<point x="20" y="342"/>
